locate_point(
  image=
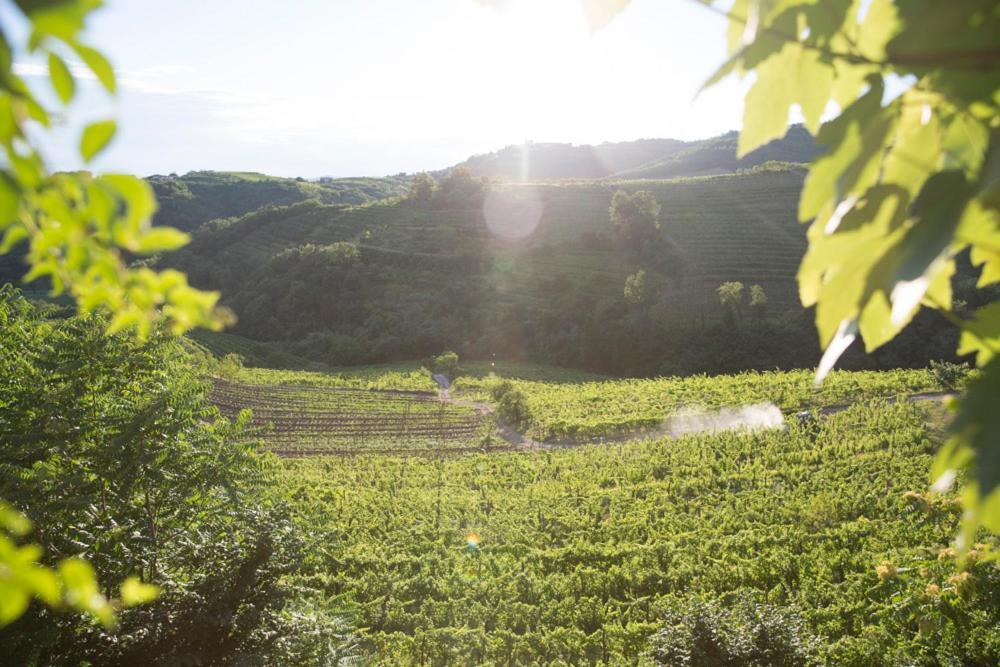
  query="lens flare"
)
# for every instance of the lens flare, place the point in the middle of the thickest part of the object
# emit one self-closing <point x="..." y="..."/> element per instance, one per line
<point x="512" y="215"/>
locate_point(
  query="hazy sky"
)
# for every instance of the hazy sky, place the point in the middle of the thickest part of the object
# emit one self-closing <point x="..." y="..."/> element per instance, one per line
<point x="373" y="87"/>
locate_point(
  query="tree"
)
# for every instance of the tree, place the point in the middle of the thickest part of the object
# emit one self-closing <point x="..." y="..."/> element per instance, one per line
<point x="731" y="298"/>
<point x="446" y="364"/>
<point x="902" y="186"/>
<point x="638" y="289"/>
<point x="113" y="448"/>
<point x="758" y="300"/>
<point x="635" y="219"/>
<point x="459" y="189"/>
<point x="421" y="188"/>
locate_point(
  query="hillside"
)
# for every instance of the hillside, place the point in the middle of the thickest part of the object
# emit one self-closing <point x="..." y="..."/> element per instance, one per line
<point x="186" y="202"/>
<point x="645" y="158"/>
<point x="403" y="279"/>
<point x="199" y="196"/>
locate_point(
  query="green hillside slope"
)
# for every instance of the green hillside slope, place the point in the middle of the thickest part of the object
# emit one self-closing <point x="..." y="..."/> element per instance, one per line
<point x="199" y="196"/>
<point x="401" y="279"/>
<point x="186" y="202"/>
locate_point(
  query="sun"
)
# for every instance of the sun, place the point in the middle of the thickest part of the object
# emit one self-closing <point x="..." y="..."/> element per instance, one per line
<point x="534" y="53"/>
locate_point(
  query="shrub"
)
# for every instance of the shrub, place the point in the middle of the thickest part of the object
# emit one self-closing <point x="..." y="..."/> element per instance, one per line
<point x="512" y="406"/>
<point x="948" y="375"/>
<point x="229" y="366"/>
<point x="736" y="633"/>
<point x="446" y="363"/>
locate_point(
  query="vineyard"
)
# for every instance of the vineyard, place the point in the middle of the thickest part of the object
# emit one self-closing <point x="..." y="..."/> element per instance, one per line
<point x="576" y="556"/>
<point x="609" y="408"/>
<point x="302" y="419"/>
<point x="395" y="407"/>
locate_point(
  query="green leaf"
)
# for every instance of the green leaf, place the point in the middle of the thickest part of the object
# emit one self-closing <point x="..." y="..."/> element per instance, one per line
<point x="915" y="151"/>
<point x="82" y="592"/>
<point x="14" y="235"/>
<point x="878" y="27"/>
<point x="981" y="335"/>
<point x="134" y="592"/>
<point x="964" y="143"/>
<point x="161" y="239"/>
<point x="13" y="602"/>
<point x="855" y="141"/>
<point x="974" y="437"/>
<point x="58" y="18"/>
<point x="62" y="78"/>
<point x="765" y="110"/>
<point x="140" y="202"/>
<point x="13" y="521"/>
<point x="98" y="64"/>
<point x="96" y="137"/>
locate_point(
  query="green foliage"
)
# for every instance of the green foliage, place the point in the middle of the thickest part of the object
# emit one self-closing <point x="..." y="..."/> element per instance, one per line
<point x="758" y="298"/>
<point x="112" y="450"/>
<point x="77" y="226"/>
<point x="459" y="188"/>
<point x="731" y="297"/>
<point x="512" y="406"/>
<point x="583" y="551"/>
<point x="639" y="290"/>
<point x="421" y="188"/>
<point x="948" y="375"/>
<point x="71" y="583"/>
<point x="733" y="633"/>
<point x="902" y="187"/>
<point x="446" y="363"/>
<point x="229" y="366"/>
<point x="635" y="219"/>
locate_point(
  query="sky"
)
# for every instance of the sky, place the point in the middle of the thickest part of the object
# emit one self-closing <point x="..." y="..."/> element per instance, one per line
<point x="374" y="87"/>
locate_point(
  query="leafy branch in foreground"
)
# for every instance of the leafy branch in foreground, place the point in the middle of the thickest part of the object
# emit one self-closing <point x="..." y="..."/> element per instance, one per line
<point x="80" y="228"/>
<point x="902" y="186"/>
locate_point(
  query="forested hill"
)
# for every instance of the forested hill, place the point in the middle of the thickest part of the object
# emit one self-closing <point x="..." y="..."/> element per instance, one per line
<point x="190" y="200"/>
<point x="405" y="278"/>
<point x="645" y="158"/>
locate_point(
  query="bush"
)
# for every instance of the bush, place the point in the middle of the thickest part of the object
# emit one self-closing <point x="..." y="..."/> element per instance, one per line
<point x="512" y="406"/>
<point x="229" y="366"/>
<point x="948" y="375"/>
<point x="446" y="363"/>
<point x="738" y="633"/>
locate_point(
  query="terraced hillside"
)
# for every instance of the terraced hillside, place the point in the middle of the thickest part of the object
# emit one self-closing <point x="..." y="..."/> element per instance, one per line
<point x="733" y="227"/>
<point x="393" y="280"/>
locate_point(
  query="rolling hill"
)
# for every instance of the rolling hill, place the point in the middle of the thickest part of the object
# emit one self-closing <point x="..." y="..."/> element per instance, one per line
<point x="645" y="158"/>
<point x="399" y="279"/>
<point x="199" y="196"/>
